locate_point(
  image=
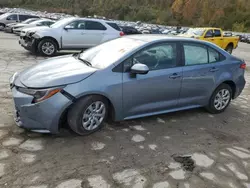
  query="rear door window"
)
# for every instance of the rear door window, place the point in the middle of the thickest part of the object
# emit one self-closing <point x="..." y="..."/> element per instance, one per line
<point x="195" y="54"/>
<point x="217" y="33"/>
<point x="23" y="17"/>
<point x="93" y="25"/>
<point x="114" y="26"/>
<point x="214" y="56"/>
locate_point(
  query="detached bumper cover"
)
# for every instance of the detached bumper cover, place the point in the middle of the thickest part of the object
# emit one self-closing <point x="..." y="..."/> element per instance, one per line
<point x="28" y="43"/>
<point x="40" y="116"/>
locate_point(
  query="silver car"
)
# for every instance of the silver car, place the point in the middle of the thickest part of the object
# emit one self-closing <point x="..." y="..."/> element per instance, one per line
<point x="126" y="78"/>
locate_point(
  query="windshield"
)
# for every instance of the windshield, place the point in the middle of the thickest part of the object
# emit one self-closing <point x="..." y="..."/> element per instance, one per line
<point x="195" y="31"/>
<point x="29" y="21"/>
<point x="61" y="22"/>
<point x="108" y="53"/>
<point x="4" y="15"/>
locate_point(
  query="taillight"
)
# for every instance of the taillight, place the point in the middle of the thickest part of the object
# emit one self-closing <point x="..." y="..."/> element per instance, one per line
<point x="121" y="34"/>
<point x="243" y="65"/>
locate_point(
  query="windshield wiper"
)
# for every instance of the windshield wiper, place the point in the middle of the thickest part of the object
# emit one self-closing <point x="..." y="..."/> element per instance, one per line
<point x="83" y="60"/>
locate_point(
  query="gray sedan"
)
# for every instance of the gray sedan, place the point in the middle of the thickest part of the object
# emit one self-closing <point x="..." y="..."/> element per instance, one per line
<point x="129" y="77"/>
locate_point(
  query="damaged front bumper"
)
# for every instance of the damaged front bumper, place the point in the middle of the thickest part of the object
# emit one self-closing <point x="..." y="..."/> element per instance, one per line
<point x="29" y="43"/>
<point x="42" y="117"/>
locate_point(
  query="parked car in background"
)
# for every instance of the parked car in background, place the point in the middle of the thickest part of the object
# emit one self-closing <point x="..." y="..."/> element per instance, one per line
<point x="9" y="27"/>
<point x="227" y="34"/>
<point x="214" y="35"/>
<point x="113" y="79"/>
<point x="248" y="39"/>
<point x="41" y="22"/>
<point x="243" y="38"/>
<point x="129" y="30"/>
<point x="13" y="18"/>
<point x="70" y="33"/>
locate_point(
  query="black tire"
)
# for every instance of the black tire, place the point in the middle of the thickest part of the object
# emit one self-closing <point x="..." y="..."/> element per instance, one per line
<point x="76" y="112"/>
<point x="211" y="107"/>
<point x="44" y="42"/>
<point x="2" y="26"/>
<point x="229" y="48"/>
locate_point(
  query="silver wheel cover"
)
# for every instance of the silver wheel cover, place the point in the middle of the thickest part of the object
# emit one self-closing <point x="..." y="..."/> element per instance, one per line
<point x="94" y="115"/>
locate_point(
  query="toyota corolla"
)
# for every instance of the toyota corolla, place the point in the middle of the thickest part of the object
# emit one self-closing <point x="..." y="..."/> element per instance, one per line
<point x="126" y="78"/>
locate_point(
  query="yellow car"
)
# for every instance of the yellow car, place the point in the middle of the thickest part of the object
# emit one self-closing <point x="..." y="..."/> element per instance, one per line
<point x="214" y="35"/>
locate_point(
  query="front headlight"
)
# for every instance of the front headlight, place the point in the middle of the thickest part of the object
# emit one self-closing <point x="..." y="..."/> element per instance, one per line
<point x="39" y="94"/>
<point x="30" y="33"/>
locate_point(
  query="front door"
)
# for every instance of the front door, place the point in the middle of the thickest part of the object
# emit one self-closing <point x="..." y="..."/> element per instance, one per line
<point x="73" y="35"/>
<point x="209" y="35"/>
<point x="199" y="74"/>
<point x="158" y="90"/>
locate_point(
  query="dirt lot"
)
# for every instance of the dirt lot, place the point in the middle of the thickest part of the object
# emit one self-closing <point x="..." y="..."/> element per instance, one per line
<point x="142" y="153"/>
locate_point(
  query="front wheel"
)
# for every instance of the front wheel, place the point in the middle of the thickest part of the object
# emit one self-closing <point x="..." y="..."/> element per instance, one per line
<point x="47" y="47"/>
<point x="220" y="99"/>
<point x="87" y="115"/>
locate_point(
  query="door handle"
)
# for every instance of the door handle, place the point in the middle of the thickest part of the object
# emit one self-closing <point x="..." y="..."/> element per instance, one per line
<point x="174" y="76"/>
<point x="213" y="69"/>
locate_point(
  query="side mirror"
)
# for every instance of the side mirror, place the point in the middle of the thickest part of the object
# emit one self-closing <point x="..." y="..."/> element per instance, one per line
<point x="139" y="69"/>
<point x="67" y="27"/>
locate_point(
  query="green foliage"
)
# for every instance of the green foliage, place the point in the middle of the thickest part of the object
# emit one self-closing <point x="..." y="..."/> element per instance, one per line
<point x="240" y="27"/>
<point x="228" y="14"/>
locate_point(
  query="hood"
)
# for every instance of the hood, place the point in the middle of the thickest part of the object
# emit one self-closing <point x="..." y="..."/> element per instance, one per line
<point x="19" y="25"/>
<point x="55" y="72"/>
<point x="11" y="24"/>
<point x="32" y="29"/>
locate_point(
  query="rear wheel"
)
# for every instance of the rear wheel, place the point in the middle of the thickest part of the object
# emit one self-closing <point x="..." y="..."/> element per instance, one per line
<point x="220" y="99"/>
<point x="88" y="114"/>
<point x="229" y="48"/>
<point x="47" y="47"/>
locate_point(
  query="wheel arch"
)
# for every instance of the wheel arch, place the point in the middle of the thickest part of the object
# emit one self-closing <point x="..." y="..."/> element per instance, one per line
<point x="63" y="117"/>
<point x="230" y="44"/>
<point x="232" y="85"/>
<point x="51" y="38"/>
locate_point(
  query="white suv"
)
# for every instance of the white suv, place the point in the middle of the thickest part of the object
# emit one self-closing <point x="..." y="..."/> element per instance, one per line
<point x="69" y="34"/>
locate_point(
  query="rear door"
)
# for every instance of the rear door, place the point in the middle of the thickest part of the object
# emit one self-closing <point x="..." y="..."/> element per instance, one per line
<point x="200" y="71"/>
<point x="94" y="33"/>
<point x="218" y="39"/>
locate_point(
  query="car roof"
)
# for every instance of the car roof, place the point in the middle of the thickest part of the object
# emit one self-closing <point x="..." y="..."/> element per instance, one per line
<point x="206" y="28"/>
<point x="159" y="37"/>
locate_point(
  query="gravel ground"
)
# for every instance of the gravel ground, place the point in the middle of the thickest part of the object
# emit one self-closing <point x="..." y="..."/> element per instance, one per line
<point x="188" y="149"/>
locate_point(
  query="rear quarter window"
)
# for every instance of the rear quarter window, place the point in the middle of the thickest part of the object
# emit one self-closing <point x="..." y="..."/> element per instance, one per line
<point x="114" y="26"/>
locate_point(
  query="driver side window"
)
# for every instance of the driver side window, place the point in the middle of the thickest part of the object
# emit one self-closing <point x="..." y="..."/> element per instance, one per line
<point x="209" y="33"/>
<point x="12" y="17"/>
<point x="161" y="56"/>
<point x="76" y="25"/>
